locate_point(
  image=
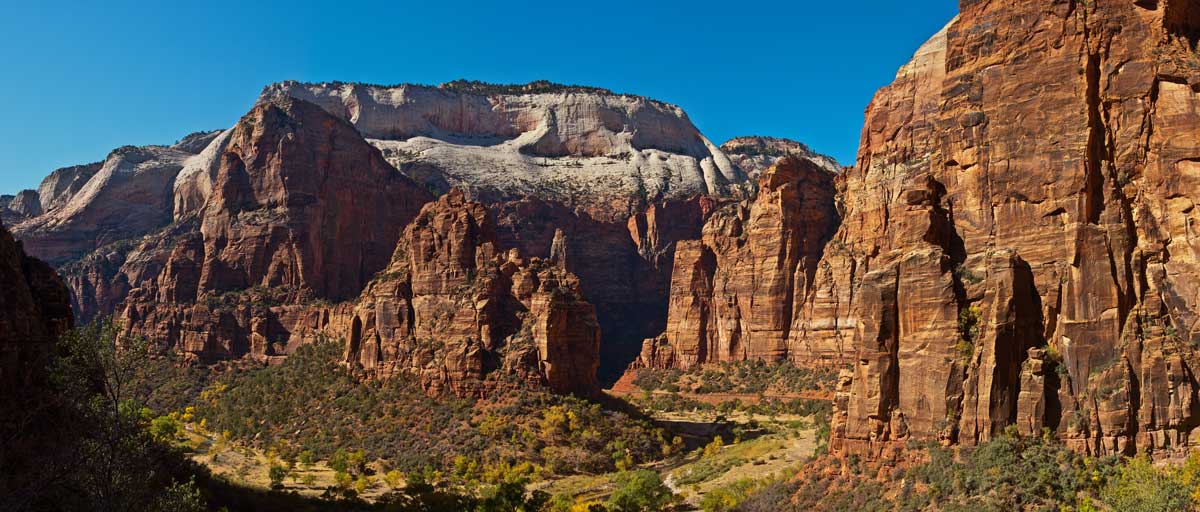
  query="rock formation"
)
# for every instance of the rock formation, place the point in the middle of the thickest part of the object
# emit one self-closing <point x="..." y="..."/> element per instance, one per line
<point x="735" y="292"/>
<point x="1017" y="242"/>
<point x="34" y="310"/>
<point x="587" y="148"/>
<point x="757" y="154"/>
<point x="466" y="317"/>
<point x="301" y="209"/>
<point x="86" y="208"/>
<point x="620" y="176"/>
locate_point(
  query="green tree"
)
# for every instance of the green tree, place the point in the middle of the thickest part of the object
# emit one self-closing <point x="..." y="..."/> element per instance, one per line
<point x="639" y="491"/>
<point x="164" y="428"/>
<point x="1141" y="487"/>
<point x="340" y="462"/>
<point x="80" y="436"/>
<point x="277" y="473"/>
<point x="307" y="458"/>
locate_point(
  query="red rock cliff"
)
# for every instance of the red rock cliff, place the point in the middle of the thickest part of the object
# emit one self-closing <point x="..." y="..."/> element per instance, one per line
<point x="735" y="293"/>
<point x="1018" y="244"/>
<point x="466" y="317"/>
<point x="301" y="209"/>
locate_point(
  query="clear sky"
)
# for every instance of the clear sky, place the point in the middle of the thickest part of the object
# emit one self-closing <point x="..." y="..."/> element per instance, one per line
<point x="81" y="78"/>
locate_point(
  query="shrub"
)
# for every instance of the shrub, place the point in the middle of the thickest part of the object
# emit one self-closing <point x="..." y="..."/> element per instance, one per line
<point x="276" y="474"/>
<point x="639" y="491"/>
<point x="1140" y="487"/>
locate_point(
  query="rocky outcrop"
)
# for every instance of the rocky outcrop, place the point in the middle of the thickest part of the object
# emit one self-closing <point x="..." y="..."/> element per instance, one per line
<point x="466" y="317"/>
<point x="606" y="154"/>
<point x="735" y="293"/>
<point x="1016" y="245"/>
<point x="61" y="185"/>
<point x="624" y="269"/>
<point x="301" y="209"/>
<point x="26" y="204"/>
<point x="756" y="154"/>
<point x="34" y="311"/>
<point x="86" y="207"/>
<point x="23" y="205"/>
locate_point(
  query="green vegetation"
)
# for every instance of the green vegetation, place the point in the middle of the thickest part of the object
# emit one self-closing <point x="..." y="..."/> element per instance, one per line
<point x="312" y="403"/>
<point x="81" y="438"/>
<point x="968" y="330"/>
<point x="1010" y="472"/>
<point x="743" y="377"/>
<point x="639" y="491"/>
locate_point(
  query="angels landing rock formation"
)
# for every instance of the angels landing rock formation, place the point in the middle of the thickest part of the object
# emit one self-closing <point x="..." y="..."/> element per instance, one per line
<point x="1018" y="239"/>
<point x="604" y="183"/>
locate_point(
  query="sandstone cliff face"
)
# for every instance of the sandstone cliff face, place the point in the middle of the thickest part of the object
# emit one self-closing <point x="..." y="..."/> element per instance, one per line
<point x="586" y="148"/>
<point x="1016" y="244"/>
<point x="465" y="317"/>
<point x="16" y="208"/>
<point x="735" y="293"/>
<point x="300" y="209"/>
<point x="757" y="154"/>
<point x="88" y="207"/>
<point x="624" y="268"/>
<point x="34" y="311"/>
<point x="62" y="184"/>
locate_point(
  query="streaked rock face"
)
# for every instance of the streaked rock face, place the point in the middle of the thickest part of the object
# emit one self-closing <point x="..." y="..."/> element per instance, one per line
<point x="736" y="293"/>
<point x="586" y="148"/>
<point x="300" y="209"/>
<point x="88" y="207"/>
<point x="1017" y="246"/>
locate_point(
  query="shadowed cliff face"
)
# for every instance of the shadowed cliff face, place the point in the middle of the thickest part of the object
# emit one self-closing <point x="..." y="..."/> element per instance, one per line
<point x="34" y="310"/>
<point x="624" y="269"/>
<point x="1017" y="245"/>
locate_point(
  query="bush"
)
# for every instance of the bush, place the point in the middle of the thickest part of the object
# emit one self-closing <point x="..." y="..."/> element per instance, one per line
<point x="639" y="491"/>
<point x="276" y="474"/>
<point x="1140" y="487"/>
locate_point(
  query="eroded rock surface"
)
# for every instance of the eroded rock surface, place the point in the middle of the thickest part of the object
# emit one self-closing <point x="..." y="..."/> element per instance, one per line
<point x="757" y="154"/>
<point x="1016" y="247"/>
<point x="735" y="293"/>
<point x="607" y="154"/>
<point x="466" y="317"/>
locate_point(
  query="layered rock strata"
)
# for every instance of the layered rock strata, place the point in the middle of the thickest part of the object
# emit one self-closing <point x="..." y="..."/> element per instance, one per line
<point x="756" y="154"/>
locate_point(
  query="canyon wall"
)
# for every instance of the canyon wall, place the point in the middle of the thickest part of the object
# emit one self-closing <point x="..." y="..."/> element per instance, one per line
<point x="302" y="202"/>
<point x="736" y="293"/>
<point x="1017" y="241"/>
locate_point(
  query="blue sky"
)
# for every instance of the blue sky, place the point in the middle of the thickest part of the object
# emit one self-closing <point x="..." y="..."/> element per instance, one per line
<point x="81" y="78"/>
